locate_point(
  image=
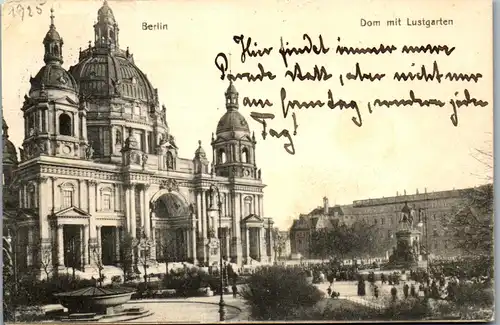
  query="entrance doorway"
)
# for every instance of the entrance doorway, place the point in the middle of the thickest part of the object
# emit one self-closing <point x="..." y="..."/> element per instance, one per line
<point x="108" y="244"/>
<point x="72" y="246"/>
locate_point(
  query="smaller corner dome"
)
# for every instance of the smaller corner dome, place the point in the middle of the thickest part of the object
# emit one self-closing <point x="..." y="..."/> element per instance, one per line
<point x="232" y="120"/>
<point x="53" y="76"/>
<point x="200" y="152"/>
<point x="9" y="150"/>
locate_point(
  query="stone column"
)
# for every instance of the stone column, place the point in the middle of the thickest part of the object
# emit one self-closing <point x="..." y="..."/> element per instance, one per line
<point x="43" y="211"/>
<point x="117" y="243"/>
<point x="99" y="243"/>
<point x="91" y="191"/>
<point x="247" y="243"/>
<point x="262" y="243"/>
<point x="261" y="204"/>
<point x="198" y="214"/>
<point x="145" y="209"/>
<point x="127" y="208"/>
<point x="141" y="210"/>
<point x="60" y="245"/>
<point x="228" y="240"/>
<point x="187" y="240"/>
<point x="85" y="244"/>
<point x="133" y="222"/>
<point x="193" y="245"/>
<point x="271" y="243"/>
<point x="204" y="215"/>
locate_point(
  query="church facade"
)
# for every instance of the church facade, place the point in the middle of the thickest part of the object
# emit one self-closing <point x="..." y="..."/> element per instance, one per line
<point x="98" y="163"/>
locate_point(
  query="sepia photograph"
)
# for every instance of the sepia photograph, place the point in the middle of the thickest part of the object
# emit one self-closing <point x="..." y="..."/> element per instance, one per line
<point x="247" y="161"/>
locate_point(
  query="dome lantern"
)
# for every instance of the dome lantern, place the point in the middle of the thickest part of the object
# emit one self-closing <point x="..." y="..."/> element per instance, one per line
<point x="231" y="97"/>
<point x="53" y="43"/>
<point x="106" y="29"/>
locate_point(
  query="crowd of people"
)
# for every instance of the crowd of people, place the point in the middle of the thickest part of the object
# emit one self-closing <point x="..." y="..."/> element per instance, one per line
<point x="439" y="281"/>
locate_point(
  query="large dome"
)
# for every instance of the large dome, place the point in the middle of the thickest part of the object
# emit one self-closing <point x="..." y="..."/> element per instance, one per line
<point x="232" y="120"/>
<point x="53" y="76"/>
<point x="106" y="73"/>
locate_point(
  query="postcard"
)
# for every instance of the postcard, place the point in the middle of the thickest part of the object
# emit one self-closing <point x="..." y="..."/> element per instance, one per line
<point x="247" y="161"/>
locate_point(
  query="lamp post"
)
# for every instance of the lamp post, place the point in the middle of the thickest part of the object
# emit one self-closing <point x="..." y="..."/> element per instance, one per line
<point x="423" y="224"/>
<point x="215" y="190"/>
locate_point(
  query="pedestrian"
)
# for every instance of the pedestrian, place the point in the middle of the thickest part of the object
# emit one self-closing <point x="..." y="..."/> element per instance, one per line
<point x="235" y="290"/>
<point x="413" y="291"/>
<point x="405" y="290"/>
<point x="394" y="293"/>
<point x="329" y="291"/>
<point x="375" y="291"/>
<point x="382" y="278"/>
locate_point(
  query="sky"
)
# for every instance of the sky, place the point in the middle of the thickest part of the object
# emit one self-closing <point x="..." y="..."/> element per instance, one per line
<point x="395" y="149"/>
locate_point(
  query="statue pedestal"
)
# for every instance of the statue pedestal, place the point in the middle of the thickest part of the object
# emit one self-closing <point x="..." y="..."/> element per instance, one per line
<point x="406" y="255"/>
<point x="213" y="248"/>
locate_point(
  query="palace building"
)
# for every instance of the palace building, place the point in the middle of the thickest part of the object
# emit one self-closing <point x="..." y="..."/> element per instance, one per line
<point x="98" y="163"/>
<point x="430" y="209"/>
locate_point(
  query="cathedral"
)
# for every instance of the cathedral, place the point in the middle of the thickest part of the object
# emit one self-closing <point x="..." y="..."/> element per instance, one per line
<point x="99" y="164"/>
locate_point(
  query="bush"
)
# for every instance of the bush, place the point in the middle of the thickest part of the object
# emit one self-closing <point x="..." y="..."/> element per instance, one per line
<point x="337" y="309"/>
<point x="31" y="291"/>
<point x="407" y="309"/>
<point x="277" y="293"/>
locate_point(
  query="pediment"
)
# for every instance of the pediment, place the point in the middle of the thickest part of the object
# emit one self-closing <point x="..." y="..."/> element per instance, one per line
<point x="253" y="218"/>
<point x="66" y="100"/>
<point x="71" y="212"/>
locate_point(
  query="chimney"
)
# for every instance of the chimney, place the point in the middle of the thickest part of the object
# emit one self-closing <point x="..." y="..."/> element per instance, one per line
<point x="405" y="192"/>
<point x="417" y="190"/>
<point x="325" y="205"/>
<point x="397" y="193"/>
<point x="425" y="189"/>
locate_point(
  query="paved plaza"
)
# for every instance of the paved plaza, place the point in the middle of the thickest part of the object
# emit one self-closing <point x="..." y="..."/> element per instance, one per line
<point x="191" y="310"/>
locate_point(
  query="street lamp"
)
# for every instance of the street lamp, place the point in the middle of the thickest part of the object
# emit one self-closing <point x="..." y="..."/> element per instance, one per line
<point x="423" y="224"/>
<point x="212" y="211"/>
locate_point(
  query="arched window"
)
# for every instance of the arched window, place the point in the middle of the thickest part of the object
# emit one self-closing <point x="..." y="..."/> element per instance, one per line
<point x="56" y="49"/>
<point x="31" y="196"/>
<point x="222" y="156"/>
<point x="248" y="205"/>
<point x="106" y="199"/>
<point x="65" y="124"/>
<point x="67" y="194"/>
<point x="170" y="160"/>
<point x="118" y="136"/>
<point x="245" y="156"/>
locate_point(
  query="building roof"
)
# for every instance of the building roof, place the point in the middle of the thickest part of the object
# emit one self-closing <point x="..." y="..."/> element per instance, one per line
<point x="53" y="75"/>
<point x="9" y="150"/>
<point x="112" y="73"/>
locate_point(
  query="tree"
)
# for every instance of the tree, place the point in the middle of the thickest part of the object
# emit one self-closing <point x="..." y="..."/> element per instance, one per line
<point x="45" y="261"/>
<point x="126" y="255"/>
<point x="345" y="241"/>
<point x="96" y="255"/>
<point x="471" y="223"/>
<point x="144" y="246"/>
<point x="279" y="243"/>
<point x="165" y="247"/>
<point x="322" y="242"/>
